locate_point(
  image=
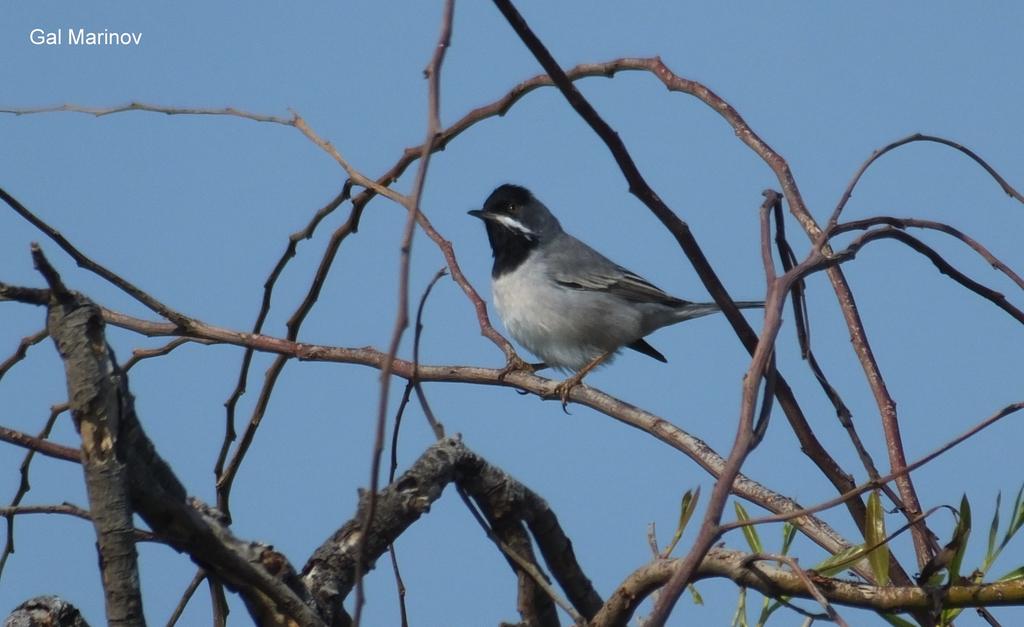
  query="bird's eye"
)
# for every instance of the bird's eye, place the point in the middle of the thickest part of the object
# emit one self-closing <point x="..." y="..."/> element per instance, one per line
<point x="511" y="207"/>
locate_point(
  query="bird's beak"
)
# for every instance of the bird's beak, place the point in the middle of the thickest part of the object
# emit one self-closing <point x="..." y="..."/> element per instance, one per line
<point x="478" y="213"/>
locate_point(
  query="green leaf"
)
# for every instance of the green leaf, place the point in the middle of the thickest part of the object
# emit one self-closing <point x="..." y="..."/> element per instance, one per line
<point x="959" y="541"/>
<point x="697" y="599"/>
<point x="769" y="610"/>
<point x="948" y="616"/>
<point x="763" y="616"/>
<point x="835" y="564"/>
<point x="892" y="619"/>
<point x="993" y="531"/>
<point x="753" y="540"/>
<point x="1013" y="575"/>
<point x="686" y="509"/>
<point x="788" y="533"/>
<point x="1016" y="519"/>
<point x="739" y="619"/>
<point x="874" y="539"/>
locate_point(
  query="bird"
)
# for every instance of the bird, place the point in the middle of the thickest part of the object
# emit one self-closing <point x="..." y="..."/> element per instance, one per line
<point x="562" y="300"/>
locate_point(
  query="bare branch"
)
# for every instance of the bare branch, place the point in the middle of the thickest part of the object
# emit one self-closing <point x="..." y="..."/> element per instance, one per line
<point x="655" y="426"/>
<point x="258" y="573"/>
<point x="916" y="137"/>
<point x="225" y="479"/>
<point x="812" y="589"/>
<point x="46" y="610"/>
<point x="843" y="413"/>
<point x="505" y="502"/>
<point x="989" y="294"/>
<point x="776" y="583"/>
<point x="881" y="481"/>
<point x="140" y="354"/>
<point x="24" y="486"/>
<point x="22" y="350"/>
<point x="186" y="596"/>
<point x="433" y="75"/>
<point x="97" y="406"/>
<point x="536" y="598"/>
<point x="904" y="223"/>
<point x="261" y="317"/>
<point x="85" y="262"/>
<point x="40" y="445"/>
<point x="141" y="106"/>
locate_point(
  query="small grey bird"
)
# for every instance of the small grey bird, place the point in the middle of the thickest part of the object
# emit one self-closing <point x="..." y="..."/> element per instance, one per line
<point x="564" y="301"/>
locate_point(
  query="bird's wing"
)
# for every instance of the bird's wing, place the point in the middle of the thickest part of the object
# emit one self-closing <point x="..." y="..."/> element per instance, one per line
<point x="574" y="265"/>
<point x="617" y="281"/>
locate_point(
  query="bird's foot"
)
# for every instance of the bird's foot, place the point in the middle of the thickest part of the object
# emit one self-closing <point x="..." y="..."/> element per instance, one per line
<point x="517" y="364"/>
<point x="564" y="388"/>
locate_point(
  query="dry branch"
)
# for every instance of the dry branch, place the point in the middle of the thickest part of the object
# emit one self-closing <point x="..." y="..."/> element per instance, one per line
<point x="99" y="398"/>
<point x="658" y="427"/>
<point x="121" y="463"/>
<point x="776" y="583"/>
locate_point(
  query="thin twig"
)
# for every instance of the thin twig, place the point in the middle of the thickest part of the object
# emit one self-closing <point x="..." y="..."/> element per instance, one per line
<point x="24" y="486"/>
<point x="218" y="603"/>
<point x="140" y="354"/>
<point x="528" y="566"/>
<point x="40" y="445"/>
<point x="916" y="137"/>
<point x="432" y="73"/>
<point x="880" y="481"/>
<point x="186" y="596"/>
<point x="843" y="413"/>
<point x="435" y="425"/>
<point x="66" y="509"/>
<point x="261" y="317"/>
<point x="22" y="350"/>
<point x="85" y="262"/>
<point x="153" y="108"/>
<point x="904" y="223"/>
<point x="812" y="589"/>
<point x="989" y="294"/>
<point x="227" y="471"/>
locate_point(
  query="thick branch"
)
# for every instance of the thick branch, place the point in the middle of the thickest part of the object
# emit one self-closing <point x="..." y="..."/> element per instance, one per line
<point x="330" y="572"/>
<point x="49" y="611"/>
<point x="98" y="398"/>
<point x="97" y="387"/>
<point x="502" y="496"/>
<point x="658" y="427"/>
<point x="776" y="583"/>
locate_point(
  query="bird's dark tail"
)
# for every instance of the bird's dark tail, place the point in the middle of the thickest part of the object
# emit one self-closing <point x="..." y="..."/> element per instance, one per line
<point x="696" y="310"/>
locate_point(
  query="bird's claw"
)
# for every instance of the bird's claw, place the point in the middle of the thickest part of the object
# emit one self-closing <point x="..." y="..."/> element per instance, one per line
<point x="564" y="388"/>
<point x="515" y="364"/>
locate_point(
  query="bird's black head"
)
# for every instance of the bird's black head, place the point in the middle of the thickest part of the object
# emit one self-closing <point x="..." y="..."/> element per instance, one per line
<point x="516" y="224"/>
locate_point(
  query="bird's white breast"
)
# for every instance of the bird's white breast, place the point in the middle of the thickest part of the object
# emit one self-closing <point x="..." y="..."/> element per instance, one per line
<point x="566" y="328"/>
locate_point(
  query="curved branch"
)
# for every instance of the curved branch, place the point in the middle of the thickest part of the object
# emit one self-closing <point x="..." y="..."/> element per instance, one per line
<point x="24" y="486"/>
<point x="261" y="317"/>
<point x="904" y="223"/>
<point x="19" y="353"/>
<point x="917" y="137"/>
<point x="330" y="573"/>
<point x="85" y="262"/>
<point x="776" y="583"/>
<point x="989" y="294"/>
<point x="630" y="415"/>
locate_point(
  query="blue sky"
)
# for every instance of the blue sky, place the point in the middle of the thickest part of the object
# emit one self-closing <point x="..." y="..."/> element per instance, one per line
<point x="196" y="210"/>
